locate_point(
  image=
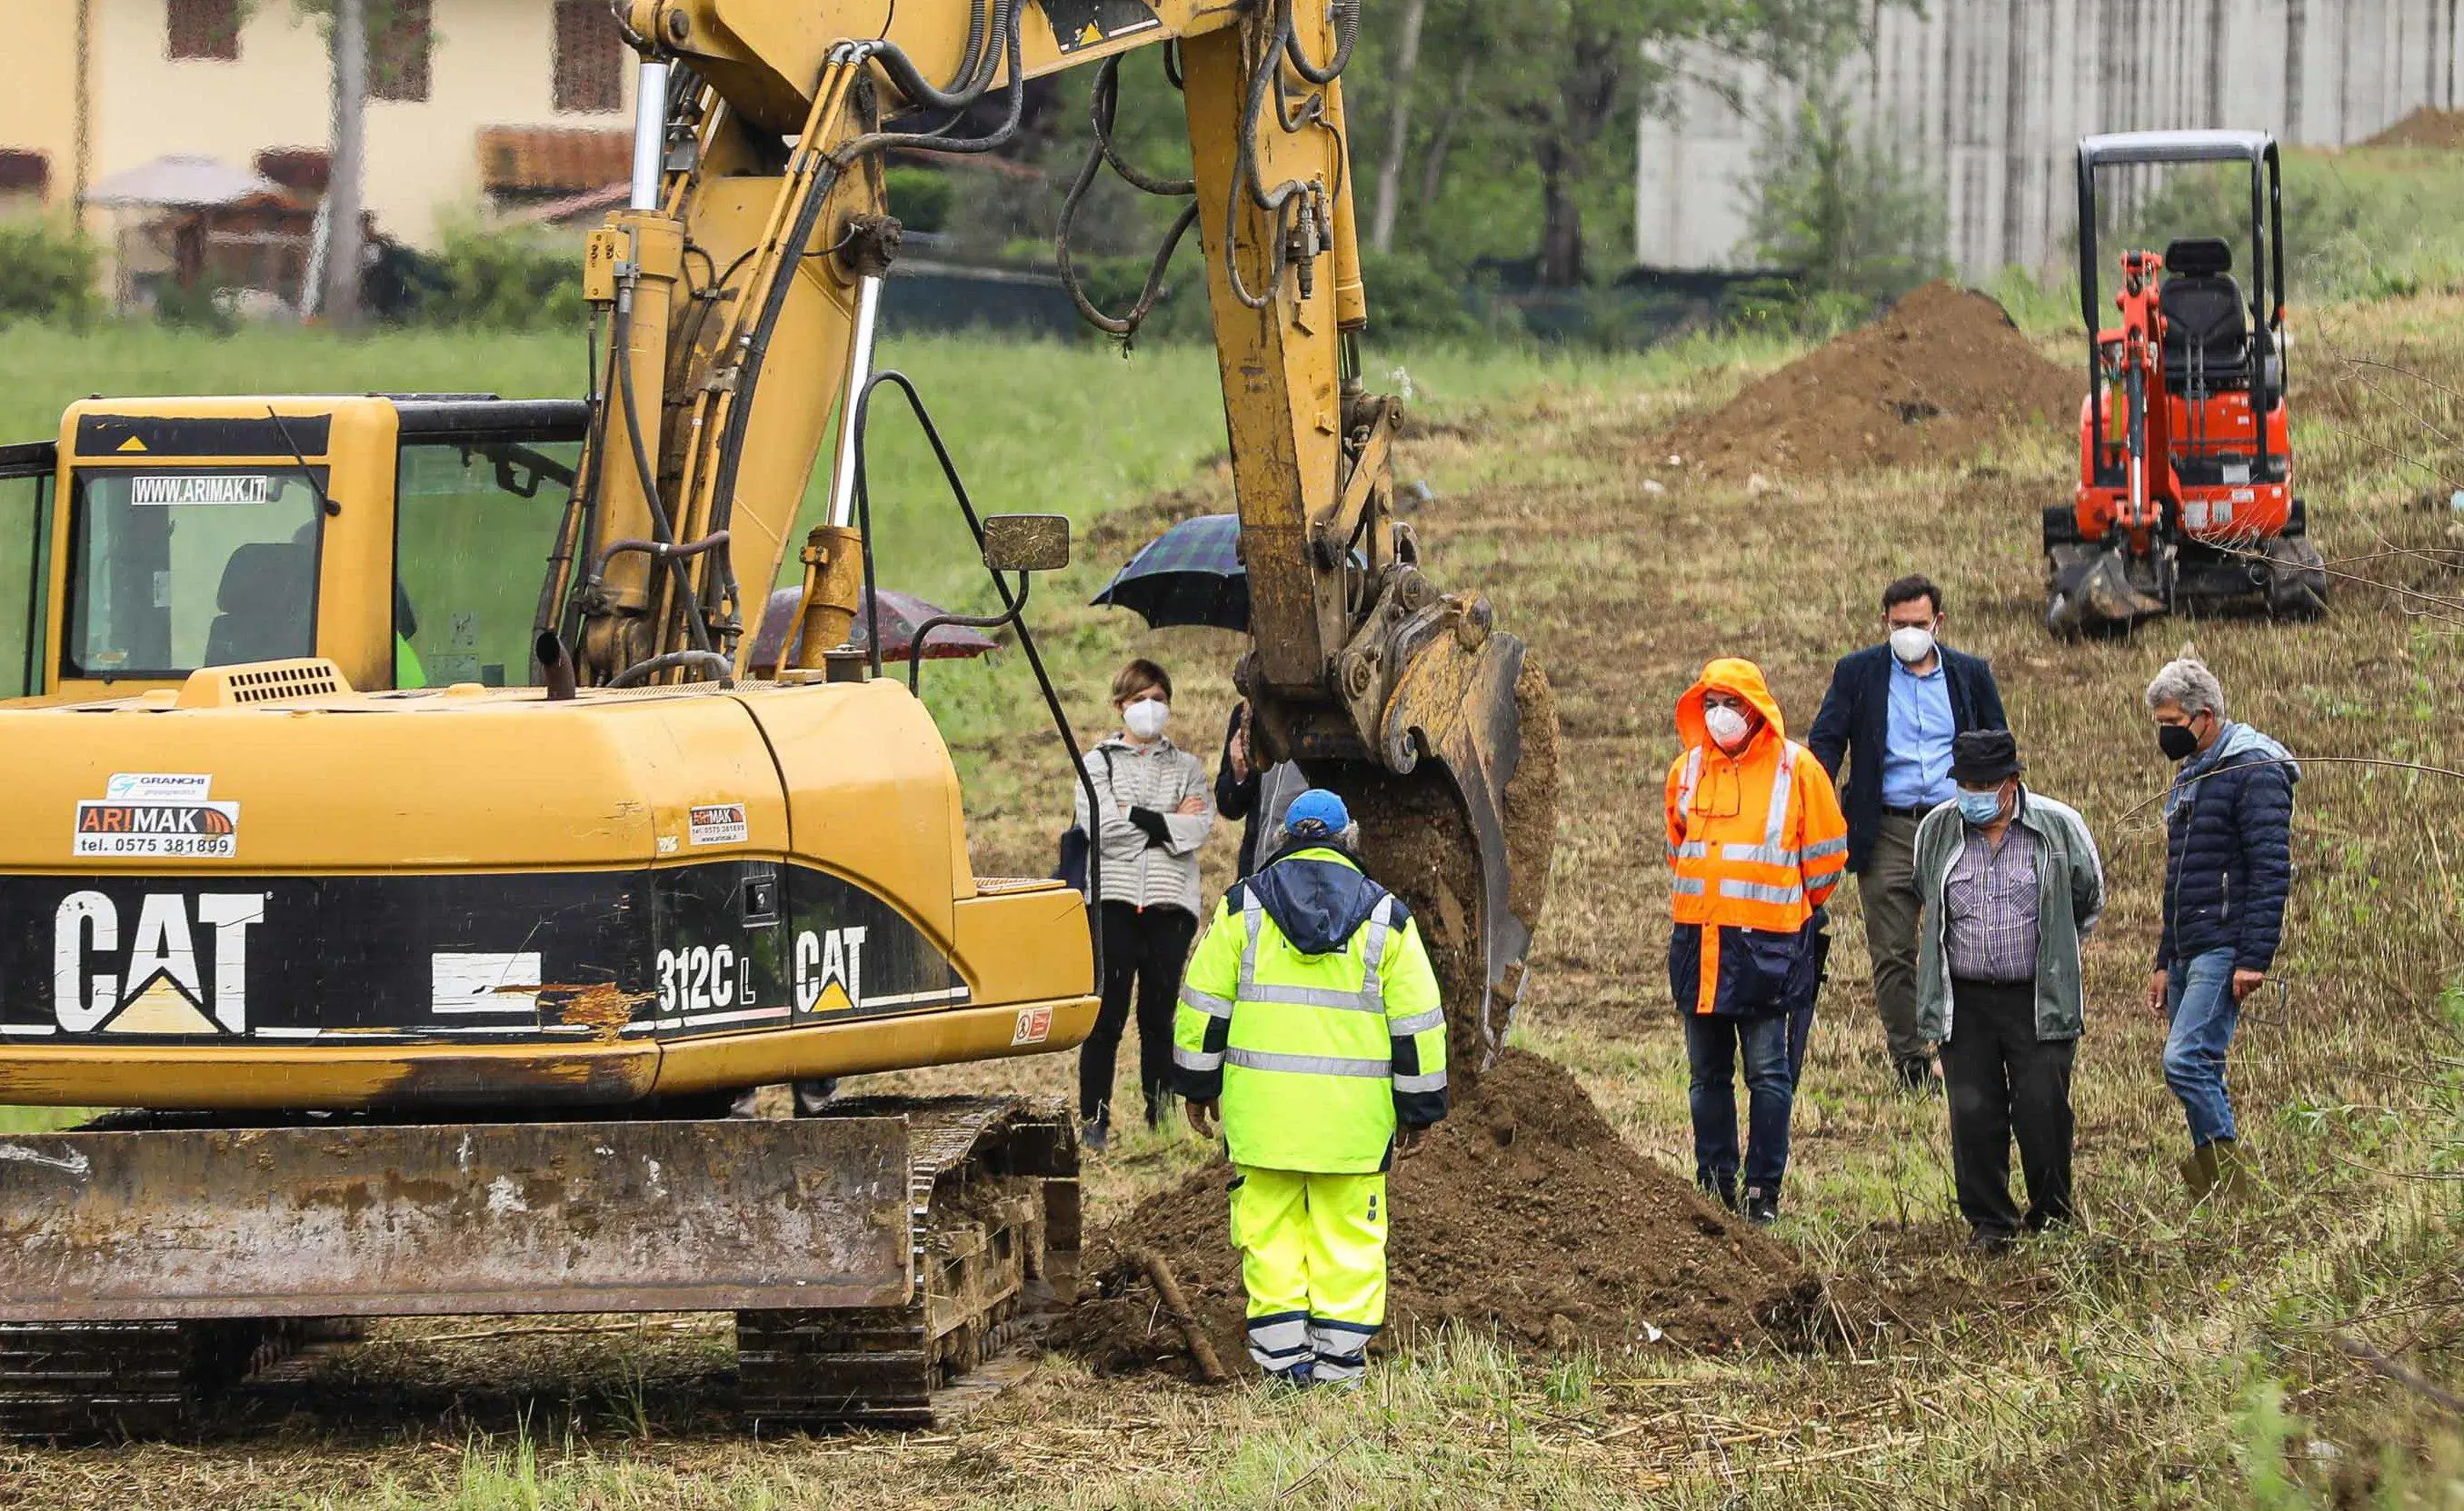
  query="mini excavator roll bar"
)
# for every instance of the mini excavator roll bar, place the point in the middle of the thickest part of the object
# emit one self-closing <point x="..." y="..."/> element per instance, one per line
<point x="2171" y="148"/>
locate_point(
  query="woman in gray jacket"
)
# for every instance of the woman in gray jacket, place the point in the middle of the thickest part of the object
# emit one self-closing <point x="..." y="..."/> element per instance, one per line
<point x="2009" y="884"/>
<point x="1157" y="813"/>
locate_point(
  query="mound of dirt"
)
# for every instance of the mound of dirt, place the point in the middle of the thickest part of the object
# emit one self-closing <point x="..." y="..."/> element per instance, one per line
<point x="2442" y="130"/>
<point x="1525" y="1213"/>
<point x="1936" y="378"/>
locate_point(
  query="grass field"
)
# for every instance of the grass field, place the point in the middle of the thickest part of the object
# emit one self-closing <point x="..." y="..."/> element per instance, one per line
<point x="2160" y="1357"/>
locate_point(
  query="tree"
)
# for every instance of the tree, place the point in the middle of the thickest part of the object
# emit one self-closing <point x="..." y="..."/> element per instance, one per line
<point x="344" y="243"/>
<point x="1838" y="209"/>
<point x="1399" y="125"/>
<point x="1550" y="92"/>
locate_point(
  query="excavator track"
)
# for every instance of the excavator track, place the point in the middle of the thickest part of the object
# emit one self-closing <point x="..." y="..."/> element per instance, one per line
<point x="993" y="1184"/>
<point x="85" y="1381"/>
<point x="988" y="1238"/>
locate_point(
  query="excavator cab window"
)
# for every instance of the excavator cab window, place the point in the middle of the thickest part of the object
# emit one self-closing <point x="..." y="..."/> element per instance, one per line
<point x="26" y="474"/>
<point x="475" y="522"/>
<point x="180" y="568"/>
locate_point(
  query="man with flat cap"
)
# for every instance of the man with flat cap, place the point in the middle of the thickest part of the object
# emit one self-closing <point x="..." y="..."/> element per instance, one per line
<point x="2009" y="884"/>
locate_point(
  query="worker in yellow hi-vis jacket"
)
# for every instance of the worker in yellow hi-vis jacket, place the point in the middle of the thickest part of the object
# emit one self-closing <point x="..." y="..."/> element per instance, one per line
<point x="1310" y="1021"/>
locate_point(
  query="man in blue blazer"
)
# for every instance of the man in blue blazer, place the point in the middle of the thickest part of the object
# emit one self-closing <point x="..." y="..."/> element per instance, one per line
<point x="1891" y="714"/>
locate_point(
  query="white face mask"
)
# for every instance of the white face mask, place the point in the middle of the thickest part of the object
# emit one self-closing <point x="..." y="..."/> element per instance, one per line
<point x="1911" y="644"/>
<point x="1146" y="718"/>
<point x="1726" y="725"/>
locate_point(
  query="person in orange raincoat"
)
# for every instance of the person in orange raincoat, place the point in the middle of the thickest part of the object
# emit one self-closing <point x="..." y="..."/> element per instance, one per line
<point x="1758" y="844"/>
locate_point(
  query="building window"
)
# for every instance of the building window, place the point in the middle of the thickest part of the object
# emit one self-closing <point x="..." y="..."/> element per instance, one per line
<point x="589" y="58"/>
<point x="400" y="40"/>
<point x="204" y="29"/>
<point x="25" y="181"/>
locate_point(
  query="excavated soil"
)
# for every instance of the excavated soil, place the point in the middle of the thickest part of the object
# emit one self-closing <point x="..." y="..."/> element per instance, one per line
<point x="1934" y="379"/>
<point x="1525" y="1213"/>
<point x="2441" y="129"/>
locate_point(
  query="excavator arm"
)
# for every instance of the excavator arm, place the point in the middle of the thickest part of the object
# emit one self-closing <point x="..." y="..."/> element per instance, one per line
<point x="738" y="296"/>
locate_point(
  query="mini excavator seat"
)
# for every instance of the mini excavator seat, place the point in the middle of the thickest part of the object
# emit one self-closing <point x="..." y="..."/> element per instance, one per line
<point x="2206" y="320"/>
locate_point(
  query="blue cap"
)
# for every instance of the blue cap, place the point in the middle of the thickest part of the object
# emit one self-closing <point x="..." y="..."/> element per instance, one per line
<point x="1315" y="814"/>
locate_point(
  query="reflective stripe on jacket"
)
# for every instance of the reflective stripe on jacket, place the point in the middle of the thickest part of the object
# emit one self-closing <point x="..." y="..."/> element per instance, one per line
<point x="1756" y="839"/>
<point x="1314" y="1056"/>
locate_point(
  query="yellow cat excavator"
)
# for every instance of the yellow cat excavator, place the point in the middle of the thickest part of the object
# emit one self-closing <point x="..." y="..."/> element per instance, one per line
<point x="424" y="914"/>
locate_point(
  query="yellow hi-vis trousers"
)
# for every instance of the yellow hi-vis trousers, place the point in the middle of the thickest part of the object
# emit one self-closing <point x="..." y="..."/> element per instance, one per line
<point x="1313" y="1258"/>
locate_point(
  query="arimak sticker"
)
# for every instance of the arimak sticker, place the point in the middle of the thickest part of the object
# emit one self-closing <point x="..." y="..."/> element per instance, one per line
<point x="251" y="488"/>
<point x="183" y="830"/>
<point x="180" y="968"/>
<point x="718" y="824"/>
<point x="153" y="786"/>
<point x="1034" y="1026"/>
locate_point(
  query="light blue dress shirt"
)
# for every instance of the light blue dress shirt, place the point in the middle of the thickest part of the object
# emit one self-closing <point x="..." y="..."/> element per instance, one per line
<point x="1916" y="758"/>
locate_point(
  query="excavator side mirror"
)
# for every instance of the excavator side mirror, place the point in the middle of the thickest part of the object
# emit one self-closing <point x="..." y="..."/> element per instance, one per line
<point x="1026" y="543"/>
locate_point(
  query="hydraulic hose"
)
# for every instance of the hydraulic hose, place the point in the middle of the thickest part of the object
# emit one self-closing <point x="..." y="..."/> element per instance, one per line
<point x="973" y="74"/>
<point x="1012" y="13"/>
<point x="1345" y="15"/>
<point x="808" y="216"/>
<point x="1103" y="106"/>
<point x="721" y="669"/>
<point x="688" y="602"/>
<point x="1103" y="111"/>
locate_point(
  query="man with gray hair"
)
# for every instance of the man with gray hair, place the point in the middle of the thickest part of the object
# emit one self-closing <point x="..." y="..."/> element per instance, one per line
<point x="2228" y="871"/>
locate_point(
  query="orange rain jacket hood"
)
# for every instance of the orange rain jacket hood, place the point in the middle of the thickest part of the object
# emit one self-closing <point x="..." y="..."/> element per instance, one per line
<point x="1728" y="674"/>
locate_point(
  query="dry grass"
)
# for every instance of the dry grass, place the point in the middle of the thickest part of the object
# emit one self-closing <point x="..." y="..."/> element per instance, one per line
<point x="2162" y="1357"/>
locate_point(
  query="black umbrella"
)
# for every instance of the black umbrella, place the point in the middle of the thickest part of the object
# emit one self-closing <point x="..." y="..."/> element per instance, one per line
<point x="1189" y="575"/>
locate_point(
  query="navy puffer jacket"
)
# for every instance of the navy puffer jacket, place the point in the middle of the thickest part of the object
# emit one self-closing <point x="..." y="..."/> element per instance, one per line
<point x="2228" y="851"/>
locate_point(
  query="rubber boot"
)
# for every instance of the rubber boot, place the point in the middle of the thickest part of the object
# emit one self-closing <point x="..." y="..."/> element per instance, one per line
<point x="2199" y="1172"/>
<point x="2232" y="1171"/>
<point x="2215" y="1168"/>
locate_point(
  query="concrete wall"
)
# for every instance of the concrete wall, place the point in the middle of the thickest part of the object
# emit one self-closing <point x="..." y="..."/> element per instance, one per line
<point x="1987" y="99"/>
<point x="492" y="66"/>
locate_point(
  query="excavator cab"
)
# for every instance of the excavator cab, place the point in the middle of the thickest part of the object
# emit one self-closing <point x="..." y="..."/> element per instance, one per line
<point x="400" y="538"/>
<point x="2185" y="495"/>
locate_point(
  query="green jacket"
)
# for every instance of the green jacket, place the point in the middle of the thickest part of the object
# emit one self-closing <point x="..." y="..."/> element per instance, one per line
<point x="1311" y="1012"/>
<point x="2070" y="896"/>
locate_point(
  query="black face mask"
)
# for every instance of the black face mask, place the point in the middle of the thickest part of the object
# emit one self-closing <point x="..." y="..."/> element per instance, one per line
<point x="2176" y="741"/>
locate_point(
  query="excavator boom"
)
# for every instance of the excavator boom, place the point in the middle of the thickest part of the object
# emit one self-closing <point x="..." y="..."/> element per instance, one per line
<point x="738" y="252"/>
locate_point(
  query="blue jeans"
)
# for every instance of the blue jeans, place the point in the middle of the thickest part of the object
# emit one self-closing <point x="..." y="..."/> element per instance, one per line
<point x="1713" y="1049"/>
<point x="2204" y="1017"/>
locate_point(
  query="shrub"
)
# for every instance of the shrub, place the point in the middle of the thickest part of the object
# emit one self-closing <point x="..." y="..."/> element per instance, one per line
<point x="1410" y="299"/>
<point x="507" y="279"/>
<point x="1839" y="210"/>
<point x="48" y="269"/>
<point x="920" y="197"/>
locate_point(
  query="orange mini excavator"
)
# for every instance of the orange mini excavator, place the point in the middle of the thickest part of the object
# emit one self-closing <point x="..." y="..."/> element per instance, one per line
<point x="2186" y="491"/>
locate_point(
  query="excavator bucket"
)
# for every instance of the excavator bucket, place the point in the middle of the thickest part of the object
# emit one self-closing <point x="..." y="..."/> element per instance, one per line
<point x="1461" y="821"/>
<point x="2095" y="592"/>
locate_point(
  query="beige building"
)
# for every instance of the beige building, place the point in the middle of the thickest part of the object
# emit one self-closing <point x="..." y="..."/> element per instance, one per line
<point x="476" y="105"/>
